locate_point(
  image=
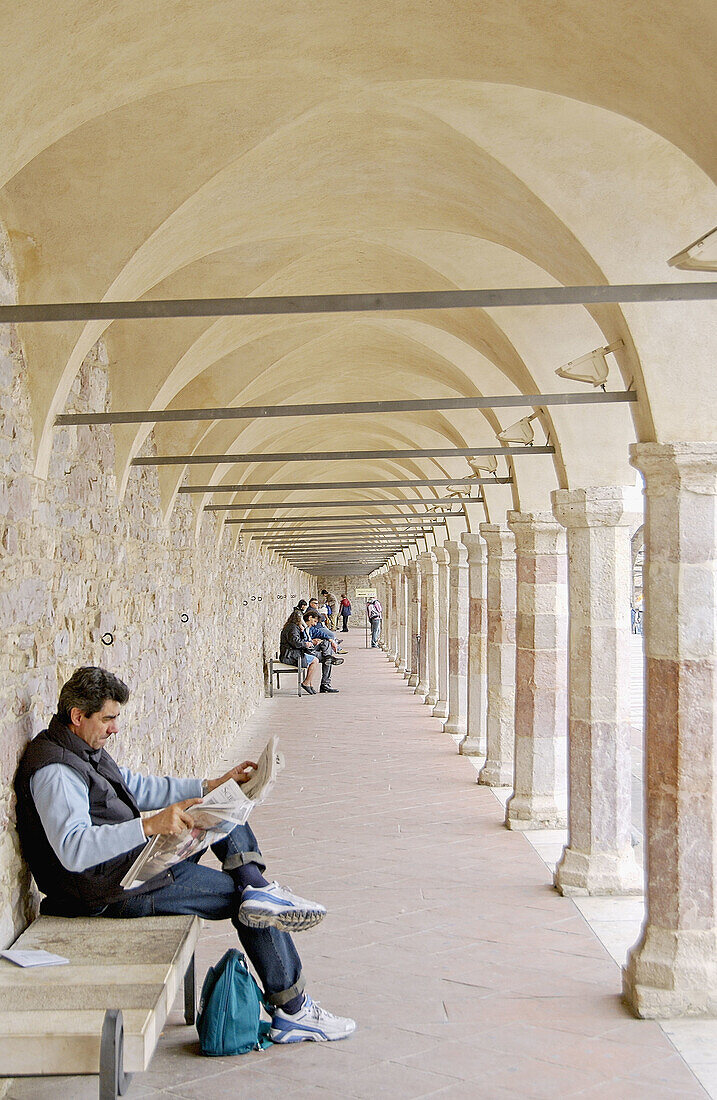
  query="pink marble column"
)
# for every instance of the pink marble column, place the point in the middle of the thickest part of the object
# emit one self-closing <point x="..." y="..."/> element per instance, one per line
<point x="414" y="625"/>
<point x="457" y="639"/>
<point x="428" y="664"/>
<point x="672" y="970"/>
<point x="402" y="651"/>
<point x="440" y="710"/>
<point x="539" y="797"/>
<point x="599" y="857"/>
<point x="389" y="631"/>
<point x="474" y="742"/>
<point x="501" y="595"/>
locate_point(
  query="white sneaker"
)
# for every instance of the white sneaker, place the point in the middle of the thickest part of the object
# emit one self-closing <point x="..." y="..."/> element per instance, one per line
<point x="273" y="906"/>
<point x="311" y="1023"/>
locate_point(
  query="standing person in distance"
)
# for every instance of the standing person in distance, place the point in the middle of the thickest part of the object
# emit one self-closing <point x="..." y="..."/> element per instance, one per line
<point x="331" y="606"/>
<point x="345" y="611"/>
<point x="374" y="612"/>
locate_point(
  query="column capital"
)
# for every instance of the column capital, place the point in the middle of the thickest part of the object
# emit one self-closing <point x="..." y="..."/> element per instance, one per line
<point x="537" y="532"/>
<point x="427" y="562"/>
<point x="499" y="539"/>
<point x="457" y="553"/>
<point x="475" y="547"/>
<point x="595" y="507"/>
<point x="411" y="568"/>
<point x="671" y="466"/>
<point x="441" y="555"/>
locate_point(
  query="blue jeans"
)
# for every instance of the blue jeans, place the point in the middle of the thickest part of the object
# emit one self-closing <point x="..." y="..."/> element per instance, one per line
<point x="214" y="895"/>
<point x="375" y="630"/>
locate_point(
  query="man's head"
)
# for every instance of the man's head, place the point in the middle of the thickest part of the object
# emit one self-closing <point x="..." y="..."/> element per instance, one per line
<point x="324" y="592"/>
<point x="311" y="617"/>
<point x="301" y="605"/>
<point x="90" y="702"/>
<point x="313" y="602"/>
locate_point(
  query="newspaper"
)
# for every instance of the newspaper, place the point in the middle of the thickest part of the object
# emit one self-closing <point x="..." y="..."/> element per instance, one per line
<point x="216" y="815"/>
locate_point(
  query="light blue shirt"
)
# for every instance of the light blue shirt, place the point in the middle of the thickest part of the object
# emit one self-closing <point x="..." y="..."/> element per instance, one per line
<point x="62" y="801"/>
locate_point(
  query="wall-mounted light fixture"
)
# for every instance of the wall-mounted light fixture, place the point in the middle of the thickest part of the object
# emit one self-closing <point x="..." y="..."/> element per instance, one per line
<point x="701" y="255"/>
<point x="487" y="464"/>
<point x="520" y="432"/>
<point x="591" y="368"/>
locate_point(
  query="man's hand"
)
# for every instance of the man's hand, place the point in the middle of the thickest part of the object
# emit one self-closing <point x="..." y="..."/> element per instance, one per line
<point x="241" y="773"/>
<point x="171" y="821"/>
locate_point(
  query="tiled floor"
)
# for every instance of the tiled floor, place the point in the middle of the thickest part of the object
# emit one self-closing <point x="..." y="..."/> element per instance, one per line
<point x="468" y="975"/>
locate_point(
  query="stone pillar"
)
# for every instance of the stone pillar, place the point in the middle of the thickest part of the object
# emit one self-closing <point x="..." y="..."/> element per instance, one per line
<point x="440" y="710"/>
<point x="428" y="657"/>
<point x="393" y="621"/>
<point x="501" y="595"/>
<point x="539" y="796"/>
<point x="474" y="742"/>
<point x="599" y="858"/>
<point x="414" y="624"/>
<point x="402" y="652"/>
<point x="672" y="970"/>
<point x="457" y="639"/>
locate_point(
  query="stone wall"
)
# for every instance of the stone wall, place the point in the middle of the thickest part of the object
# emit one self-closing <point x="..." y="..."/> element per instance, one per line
<point x="347" y="584"/>
<point x="188" y="628"/>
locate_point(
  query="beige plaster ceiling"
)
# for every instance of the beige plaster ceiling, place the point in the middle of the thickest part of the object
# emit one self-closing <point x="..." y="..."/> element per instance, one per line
<point x="208" y="149"/>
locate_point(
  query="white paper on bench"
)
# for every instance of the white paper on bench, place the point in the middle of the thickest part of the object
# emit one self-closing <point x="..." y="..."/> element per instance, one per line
<point x="28" y="957"/>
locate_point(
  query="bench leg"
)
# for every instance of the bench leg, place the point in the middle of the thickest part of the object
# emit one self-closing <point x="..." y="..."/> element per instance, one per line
<point x="271" y="679"/>
<point x="114" y="1081"/>
<point x="190" y="994"/>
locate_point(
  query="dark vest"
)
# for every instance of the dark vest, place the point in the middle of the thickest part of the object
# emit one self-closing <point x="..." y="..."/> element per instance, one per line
<point x="75" y="893"/>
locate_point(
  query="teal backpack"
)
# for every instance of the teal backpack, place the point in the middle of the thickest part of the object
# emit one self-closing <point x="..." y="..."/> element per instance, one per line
<point x="229" y="1020"/>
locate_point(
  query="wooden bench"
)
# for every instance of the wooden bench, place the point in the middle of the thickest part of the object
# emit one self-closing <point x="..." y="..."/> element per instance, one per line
<point x="278" y="668"/>
<point x="105" y="1011"/>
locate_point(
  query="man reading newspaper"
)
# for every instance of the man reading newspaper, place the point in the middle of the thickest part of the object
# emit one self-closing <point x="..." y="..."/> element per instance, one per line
<point x="81" y="831"/>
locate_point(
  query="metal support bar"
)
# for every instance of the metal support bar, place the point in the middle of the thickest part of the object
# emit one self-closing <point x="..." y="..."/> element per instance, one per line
<point x="190" y="993"/>
<point x="288" y="487"/>
<point x="337" y="456"/>
<point x="339" y="503"/>
<point x="384" y="519"/>
<point x="114" y="1081"/>
<point x="344" y="408"/>
<point x="357" y="303"/>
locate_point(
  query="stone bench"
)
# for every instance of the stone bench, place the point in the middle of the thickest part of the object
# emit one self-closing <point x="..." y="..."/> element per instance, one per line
<point x="105" y="1011"/>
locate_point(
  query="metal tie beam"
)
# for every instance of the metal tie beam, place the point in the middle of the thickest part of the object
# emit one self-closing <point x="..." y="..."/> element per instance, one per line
<point x="389" y="518"/>
<point x="341" y="503"/>
<point x="288" y="487"/>
<point x="347" y="408"/>
<point x="357" y="303"/>
<point x="337" y="456"/>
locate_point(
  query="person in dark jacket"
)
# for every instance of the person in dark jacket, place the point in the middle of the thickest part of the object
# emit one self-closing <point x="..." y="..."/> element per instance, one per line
<point x="345" y="611"/>
<point x="296" y="644"/>
<point x="80" y="827"/>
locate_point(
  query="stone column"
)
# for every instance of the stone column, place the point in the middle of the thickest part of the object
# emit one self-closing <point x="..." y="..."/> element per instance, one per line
<point x="401" y="653"/>
<point x="393" y="621"/>
<point x="539" y="796"/>
<point x="440" y="710"/>
<point x="414" y="625"/>
<point x="672" y="970"/>
<point x="599" y="858"/>
<point x="501" y="595"/>
<point x="428" y="658"/>
<point x="474" y="742"/>
<point x="457" y="639"/>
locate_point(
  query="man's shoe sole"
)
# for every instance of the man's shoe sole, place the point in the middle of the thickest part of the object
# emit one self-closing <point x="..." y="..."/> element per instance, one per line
<point x="293" y="920"/>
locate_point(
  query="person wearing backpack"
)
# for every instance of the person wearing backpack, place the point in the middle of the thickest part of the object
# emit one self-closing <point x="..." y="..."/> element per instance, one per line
<point x="375" y="615"/>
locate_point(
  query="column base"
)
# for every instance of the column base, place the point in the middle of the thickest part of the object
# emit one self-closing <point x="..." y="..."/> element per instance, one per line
<point x="672" y="973"/>
<point x="431" y="699"/>
<point x="441" y="709"/>
<point x="421" y="689"/>
<point x="455" y="726"/>
<point x="496" y="773"/>
<point x="579" y="874"/>
<point x="412" y="680"/>
<point x="523" y="813"/>
<point x="471" y="746"/>
<point x="401" y="667"/>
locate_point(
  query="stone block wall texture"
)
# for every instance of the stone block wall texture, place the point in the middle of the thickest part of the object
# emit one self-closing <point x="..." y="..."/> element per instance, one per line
<point x="347" y="584"/>
<point x="77" y="564"/>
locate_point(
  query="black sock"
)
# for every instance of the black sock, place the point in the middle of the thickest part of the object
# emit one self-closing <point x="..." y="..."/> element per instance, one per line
<point x="248" y="875"/>
<point x="294" y="1004"/>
